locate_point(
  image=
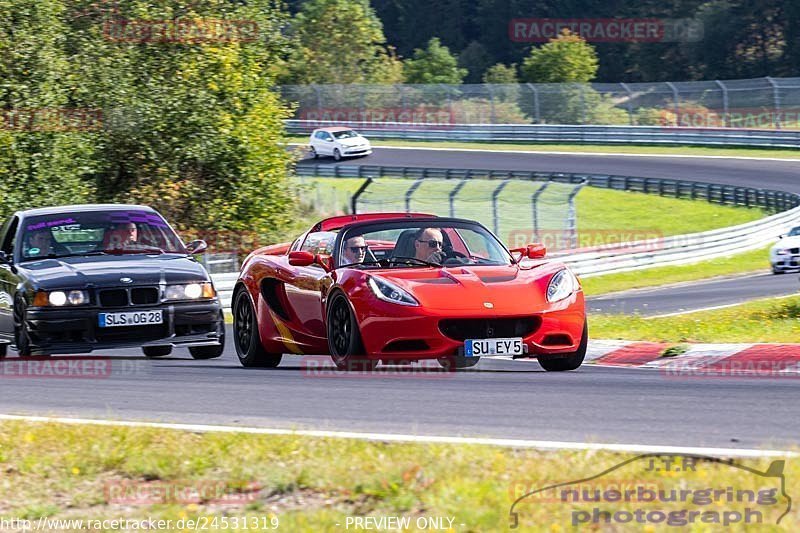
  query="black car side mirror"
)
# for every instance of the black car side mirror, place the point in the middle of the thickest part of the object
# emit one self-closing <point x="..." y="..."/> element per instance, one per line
<point x="197" y="247"/>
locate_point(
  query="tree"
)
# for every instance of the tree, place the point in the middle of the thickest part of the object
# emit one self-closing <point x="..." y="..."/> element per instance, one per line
<point x="340" y="41"/>
<point x="193" y="128"/>
<point x="500" y="73"/>
<point x="475" y="59"/>
<point x="434" y="64"/>
<point x="567" y="58"/>
<point x="44" y="160"/>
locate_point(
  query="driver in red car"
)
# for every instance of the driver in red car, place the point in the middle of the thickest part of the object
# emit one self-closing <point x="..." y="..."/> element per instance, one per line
<point x="355" y="250"/>
<point x="428" y="245"/>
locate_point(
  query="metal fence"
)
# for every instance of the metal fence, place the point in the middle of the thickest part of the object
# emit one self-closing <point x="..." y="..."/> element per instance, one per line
<point x="542" y="205"/>
<point x="548" y="133"/>
<point x="769" y="103"/>
<point x="770" y="200"/>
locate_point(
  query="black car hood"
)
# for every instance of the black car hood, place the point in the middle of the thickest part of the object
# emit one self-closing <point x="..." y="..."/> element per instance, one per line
<point x="107" y="271"/>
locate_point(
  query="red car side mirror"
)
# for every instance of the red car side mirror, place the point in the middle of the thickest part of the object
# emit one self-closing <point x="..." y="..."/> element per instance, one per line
<point x="301" y="259"/>
<point x="532" y="251"/>
<point x="536" y="251"/>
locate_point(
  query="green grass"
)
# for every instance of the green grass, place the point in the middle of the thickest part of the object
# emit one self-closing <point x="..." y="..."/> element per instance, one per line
<point x="752" y="261"/>
<point x="313" y="484"/>
<point x="769" y="320"/>
<point x="581" y="148"/>
<point x="602" y="214"/>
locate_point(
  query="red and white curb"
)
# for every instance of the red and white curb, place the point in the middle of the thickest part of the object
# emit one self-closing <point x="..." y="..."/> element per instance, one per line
<point x="699" y="360"/>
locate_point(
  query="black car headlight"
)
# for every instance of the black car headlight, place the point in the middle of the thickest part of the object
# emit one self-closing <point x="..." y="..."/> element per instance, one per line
<point x="190" y="291"/>
<point x="561" y="285"/>
<point x="61" y="298"/>
<point x="389" y="292"/>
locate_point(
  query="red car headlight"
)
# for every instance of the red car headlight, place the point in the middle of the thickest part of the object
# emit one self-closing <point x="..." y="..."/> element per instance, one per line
<point x="561" y="285"/>
<point x="389" y="292"/>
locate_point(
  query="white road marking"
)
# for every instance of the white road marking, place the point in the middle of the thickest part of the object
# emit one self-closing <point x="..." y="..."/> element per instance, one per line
<point x="714" y="308"/>
<point x="425" y="439"/>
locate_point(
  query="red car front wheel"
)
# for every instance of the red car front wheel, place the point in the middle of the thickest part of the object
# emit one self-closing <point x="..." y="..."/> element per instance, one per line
<point x="344" y="337"/>
<point x="559" y="363"/>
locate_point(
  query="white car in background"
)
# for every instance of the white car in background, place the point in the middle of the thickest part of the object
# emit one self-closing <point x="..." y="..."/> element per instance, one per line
<point x="338" y="142"/>
<point x="785" y="254"/>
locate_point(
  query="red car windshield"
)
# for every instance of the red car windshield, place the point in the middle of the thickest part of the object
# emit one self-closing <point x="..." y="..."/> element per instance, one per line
<point x="95" y="232"/>
<point x="420" y="243"/>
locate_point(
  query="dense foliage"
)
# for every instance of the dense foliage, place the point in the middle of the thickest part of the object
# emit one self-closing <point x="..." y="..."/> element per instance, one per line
<point x="741" y="38"/>
<point x="188" y="123"/>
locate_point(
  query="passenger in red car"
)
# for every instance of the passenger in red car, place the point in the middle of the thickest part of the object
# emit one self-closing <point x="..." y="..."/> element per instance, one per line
<point x="355" y="250"/>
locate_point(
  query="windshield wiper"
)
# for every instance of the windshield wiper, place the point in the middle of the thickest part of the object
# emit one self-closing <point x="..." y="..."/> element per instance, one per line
<point x="135" y="251"/>
<point x="59" y="256"/>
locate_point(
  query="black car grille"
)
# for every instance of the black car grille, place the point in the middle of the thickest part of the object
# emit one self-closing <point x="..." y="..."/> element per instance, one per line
<point x="126" y="333"/>
<point x="114" y="298"/>
<point x="128" y="297"/>
<point x="144" y="296"/>
<point x="461" y="329"/>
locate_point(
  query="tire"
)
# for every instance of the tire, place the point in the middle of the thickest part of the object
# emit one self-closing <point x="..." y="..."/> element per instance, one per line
<point x="337" y="155"/>
<point x="776" y="271"/>
<point x="457" y="362"/>
<point x="314" y="153"/>
<point x="344" y="337"/>
<point x="156" y="351"/>
<point x="22" y="339"/>
<point x="570" y="361"/>
<point x="3" y="350"/>
<point x="246" y="338"/>
<point x="211" y="352"/>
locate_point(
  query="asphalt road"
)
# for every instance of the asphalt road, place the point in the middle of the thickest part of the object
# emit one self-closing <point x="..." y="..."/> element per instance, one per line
<point x="502" y="399"/>
<point x="778" y="175"/>
<point x="497" y="399"/>
<point x="693" y="296"/>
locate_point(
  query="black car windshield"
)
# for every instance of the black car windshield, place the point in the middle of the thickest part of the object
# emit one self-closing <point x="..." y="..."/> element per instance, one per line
<point x="346" y="134"/>
<point x="421" y="244"/>
<point x="97" y="232"/>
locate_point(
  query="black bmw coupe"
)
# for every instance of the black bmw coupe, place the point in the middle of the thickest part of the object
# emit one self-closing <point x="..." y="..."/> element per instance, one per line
<point x="79" y="278"/>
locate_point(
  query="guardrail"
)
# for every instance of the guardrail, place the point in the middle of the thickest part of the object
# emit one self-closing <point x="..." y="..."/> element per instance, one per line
<point x="682" y="249"/>
<point x="554" y="133"/>
<point x="770" y="200"/>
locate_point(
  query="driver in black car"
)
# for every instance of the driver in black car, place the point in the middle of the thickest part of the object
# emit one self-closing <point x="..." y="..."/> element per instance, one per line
<point x="40" y="243"/>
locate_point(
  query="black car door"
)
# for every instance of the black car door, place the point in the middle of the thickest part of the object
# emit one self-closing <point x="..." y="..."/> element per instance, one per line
<point x="8" y="278"/>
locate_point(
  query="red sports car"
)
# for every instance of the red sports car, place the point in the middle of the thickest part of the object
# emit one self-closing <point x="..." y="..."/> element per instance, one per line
<point x="399" y="288"/>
